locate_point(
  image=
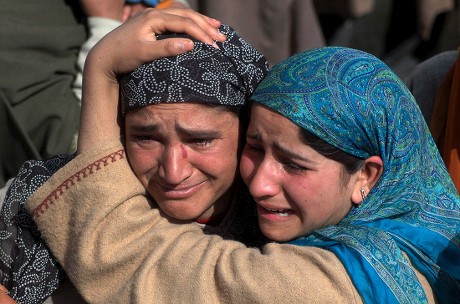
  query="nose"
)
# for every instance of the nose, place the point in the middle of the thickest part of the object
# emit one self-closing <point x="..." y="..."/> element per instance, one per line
<point x="175" y="167"/>
<point x="264" y="181"/>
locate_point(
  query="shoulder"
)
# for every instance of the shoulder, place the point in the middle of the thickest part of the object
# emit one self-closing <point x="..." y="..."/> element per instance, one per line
<point x="313" y="274"/>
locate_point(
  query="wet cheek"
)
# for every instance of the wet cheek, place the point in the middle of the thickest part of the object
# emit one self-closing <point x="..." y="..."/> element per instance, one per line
<point x="301" y="194"/>
<point x="246" y="168"/>
<point x="142" y="161"/>
<point x="139" y="167"/>
<point x="141" y="171"/>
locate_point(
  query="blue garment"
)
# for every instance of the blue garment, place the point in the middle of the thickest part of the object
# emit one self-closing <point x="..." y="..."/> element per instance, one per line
<point x="151" y="3"/>
<point x="353" y="101"/>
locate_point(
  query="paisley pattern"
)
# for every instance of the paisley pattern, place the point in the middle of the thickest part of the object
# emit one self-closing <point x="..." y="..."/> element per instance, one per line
<point x="27" y="268"/>
<point x="223" y="76"/>
<point x="353" y="101"/>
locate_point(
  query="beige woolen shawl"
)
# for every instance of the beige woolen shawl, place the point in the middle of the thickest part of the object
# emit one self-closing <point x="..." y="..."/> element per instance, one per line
<point x="117" y="248"/>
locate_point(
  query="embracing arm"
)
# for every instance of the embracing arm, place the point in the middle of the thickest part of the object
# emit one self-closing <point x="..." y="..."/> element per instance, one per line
<point x="117" y="248"/>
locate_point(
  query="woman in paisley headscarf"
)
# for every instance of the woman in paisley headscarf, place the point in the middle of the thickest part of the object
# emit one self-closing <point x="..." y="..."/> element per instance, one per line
<point x="348" y="104"/>
<point x="346" y="177"/>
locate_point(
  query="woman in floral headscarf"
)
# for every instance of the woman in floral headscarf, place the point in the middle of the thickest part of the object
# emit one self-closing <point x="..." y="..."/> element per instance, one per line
<point x="344" y="172"/>
<point x="182" y="136"/>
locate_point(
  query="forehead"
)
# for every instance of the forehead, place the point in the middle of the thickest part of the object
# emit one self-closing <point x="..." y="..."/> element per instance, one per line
<point x="265" y="118"/>
<point x="283" y="137"/>
<point x="191" y="115"/>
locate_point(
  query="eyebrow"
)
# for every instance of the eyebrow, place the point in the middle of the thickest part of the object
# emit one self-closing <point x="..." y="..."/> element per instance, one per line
<point x="197" y="133"/>
<point x="291" y="154"/>
<point x="144" y="128"/>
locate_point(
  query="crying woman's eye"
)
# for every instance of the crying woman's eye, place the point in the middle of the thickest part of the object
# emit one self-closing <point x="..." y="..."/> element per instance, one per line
<point x="200" y="142"/>
<point x="293" y="167"/>
<point x="254" y="148"/>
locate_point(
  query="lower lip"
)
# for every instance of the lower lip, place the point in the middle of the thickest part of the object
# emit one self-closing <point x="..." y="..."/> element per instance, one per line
<point x="272" y="216"/>
<point x="182" y="193"/>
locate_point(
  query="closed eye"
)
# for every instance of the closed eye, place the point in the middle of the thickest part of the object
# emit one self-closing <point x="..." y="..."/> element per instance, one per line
<point x="201" y="142"/>
<point x="254" y="148"/>
<point x="143" y="140"/>
<point x="293" y="167"/>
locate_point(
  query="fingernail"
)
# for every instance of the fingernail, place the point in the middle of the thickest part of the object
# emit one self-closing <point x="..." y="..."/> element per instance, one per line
<point x="185" y="45"/>
<point x="221" y="35"/>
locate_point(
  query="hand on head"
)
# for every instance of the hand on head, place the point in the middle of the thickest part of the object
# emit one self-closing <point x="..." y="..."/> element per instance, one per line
<point x="135" y="43"/>
<point x="123" y="50"/>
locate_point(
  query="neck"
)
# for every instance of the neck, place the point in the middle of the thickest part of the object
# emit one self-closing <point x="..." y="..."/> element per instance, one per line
<point x="218" y="210"/>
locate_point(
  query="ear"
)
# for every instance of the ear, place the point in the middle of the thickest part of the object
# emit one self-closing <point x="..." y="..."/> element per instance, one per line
<point x="369" y="175"/>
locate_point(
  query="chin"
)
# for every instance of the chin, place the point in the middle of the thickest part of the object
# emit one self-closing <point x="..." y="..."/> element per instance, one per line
<point x="276" y="235"/>
<point x="181" y="212"/>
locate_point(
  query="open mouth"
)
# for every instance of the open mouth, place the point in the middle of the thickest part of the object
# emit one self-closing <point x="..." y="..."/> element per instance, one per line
<point x="280" y="212"/>
<point x="272" y="212"/>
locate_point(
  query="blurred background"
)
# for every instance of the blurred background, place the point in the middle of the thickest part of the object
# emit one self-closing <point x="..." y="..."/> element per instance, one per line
<point x="392" y="32"/>
<point x="401" y="32"/>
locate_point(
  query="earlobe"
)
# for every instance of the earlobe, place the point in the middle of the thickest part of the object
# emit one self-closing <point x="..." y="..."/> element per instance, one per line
<point x="374" y="170"/>
<point x="369" y="175"/>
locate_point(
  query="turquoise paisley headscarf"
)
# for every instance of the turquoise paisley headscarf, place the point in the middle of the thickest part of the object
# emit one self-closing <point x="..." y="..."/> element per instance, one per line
<point x="353" y="101"/>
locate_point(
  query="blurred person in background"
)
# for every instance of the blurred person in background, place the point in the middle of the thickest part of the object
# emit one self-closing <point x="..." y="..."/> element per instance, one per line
<point x="278" y="29"/>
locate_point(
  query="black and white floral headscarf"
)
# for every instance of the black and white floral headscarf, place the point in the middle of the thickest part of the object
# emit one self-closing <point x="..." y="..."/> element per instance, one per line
<point x="27" y="267"/>
<point x="223" y="76"/>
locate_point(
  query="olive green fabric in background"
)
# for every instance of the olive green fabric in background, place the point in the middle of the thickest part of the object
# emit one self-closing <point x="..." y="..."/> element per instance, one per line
<point x="39" y="44"/>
